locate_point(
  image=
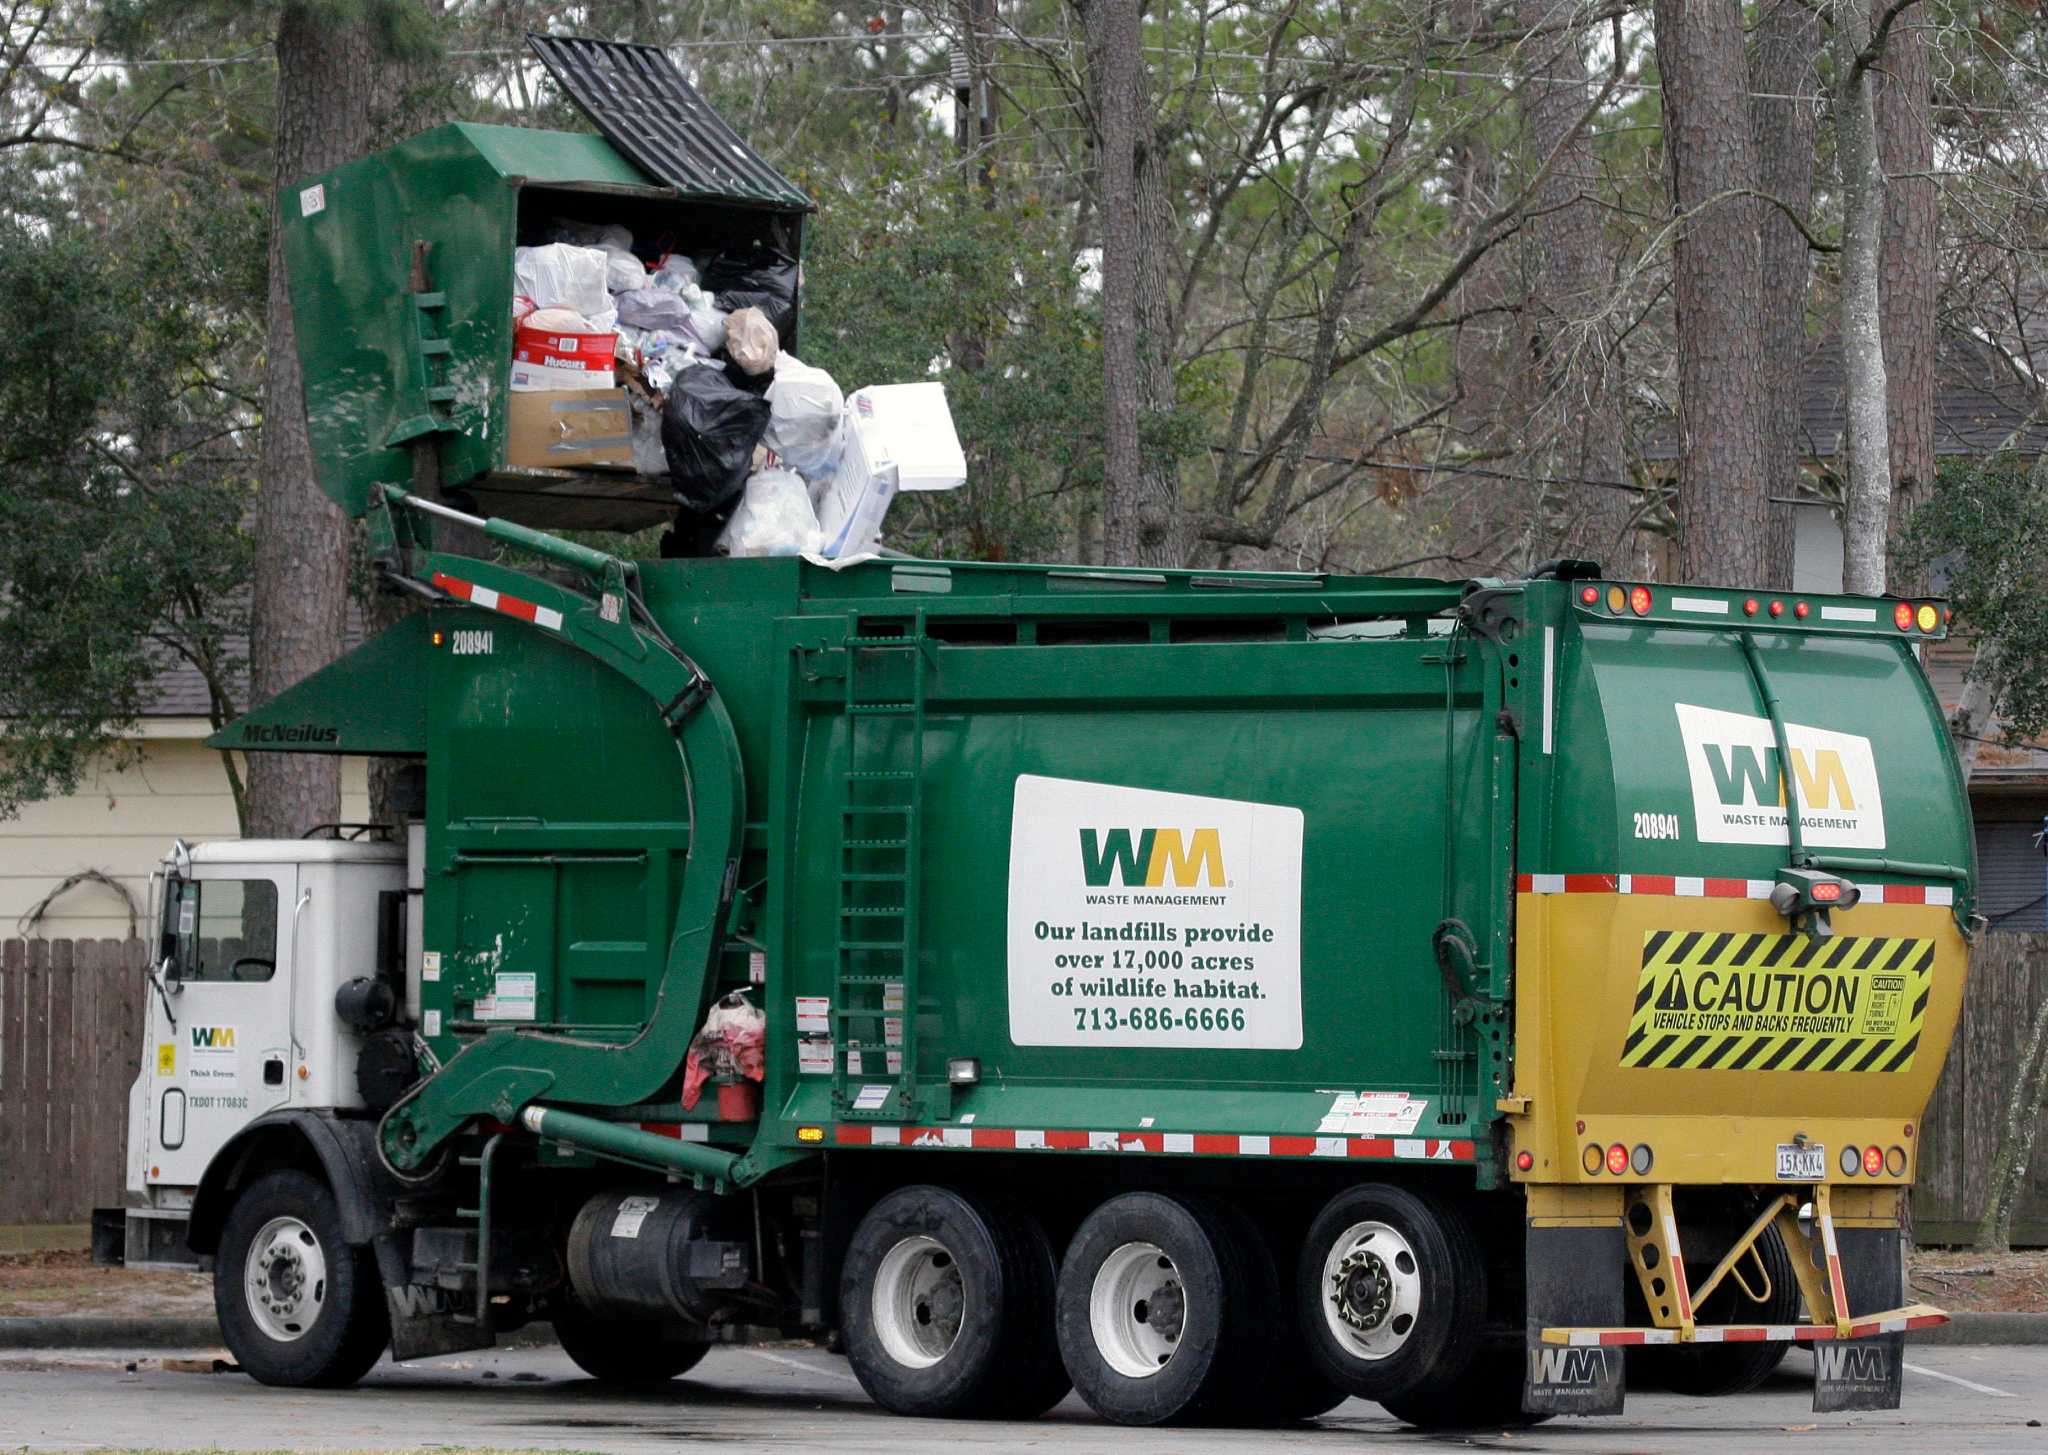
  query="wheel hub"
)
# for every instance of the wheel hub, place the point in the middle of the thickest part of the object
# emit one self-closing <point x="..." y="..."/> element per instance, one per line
<point x="285" y="1279"/>
<point x="1362" y="1291"/>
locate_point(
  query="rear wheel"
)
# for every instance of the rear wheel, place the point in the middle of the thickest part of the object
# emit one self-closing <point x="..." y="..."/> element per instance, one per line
<point x="624" y="1351"/>
<point x="297" y="1305"/>
<point x="946" y="1307"/>
<point x="1159" y="1311"/>
<point x="1489" y="1397"/>
<point x="1709" y="1370"/>
<point x="1391" y="1294"/>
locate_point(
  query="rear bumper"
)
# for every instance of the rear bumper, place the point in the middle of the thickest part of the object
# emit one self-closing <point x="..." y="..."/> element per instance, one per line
<point x="1865" y="1326"/>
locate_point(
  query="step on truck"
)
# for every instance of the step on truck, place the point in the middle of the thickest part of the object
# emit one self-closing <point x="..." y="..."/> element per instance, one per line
<point x="1216" y="993"/>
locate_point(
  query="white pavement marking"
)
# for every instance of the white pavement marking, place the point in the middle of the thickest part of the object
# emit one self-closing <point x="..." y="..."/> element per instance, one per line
<point x="835" y="1374"/>
<point x="1965" y="1383"/>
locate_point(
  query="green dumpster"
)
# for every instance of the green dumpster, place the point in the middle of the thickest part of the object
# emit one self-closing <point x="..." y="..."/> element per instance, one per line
<point x="400" y="267"/>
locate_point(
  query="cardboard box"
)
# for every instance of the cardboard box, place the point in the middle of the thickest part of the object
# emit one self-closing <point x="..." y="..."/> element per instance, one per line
<point x="910" y="424"/>
<point x="564" y="428"/>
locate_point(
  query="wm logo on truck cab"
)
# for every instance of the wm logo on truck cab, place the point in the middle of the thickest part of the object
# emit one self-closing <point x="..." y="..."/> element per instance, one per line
<point x="1111" y="854"/>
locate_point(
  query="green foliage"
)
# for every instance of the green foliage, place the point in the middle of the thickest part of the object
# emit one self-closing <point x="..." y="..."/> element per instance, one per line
<point x="119" y="539"/>
<point x="1987" y="524"/>
<point x="904" y="282"/>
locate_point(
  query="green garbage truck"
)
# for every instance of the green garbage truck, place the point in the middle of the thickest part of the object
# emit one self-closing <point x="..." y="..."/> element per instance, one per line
<point x="1216" y="993"/>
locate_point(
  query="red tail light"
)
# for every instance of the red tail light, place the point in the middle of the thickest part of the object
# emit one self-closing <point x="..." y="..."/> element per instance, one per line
<point x="1617" y="1155"/>
<point x="1826" y="892"/>
<point x="1639" y="600"/>
<point x="1873" y="1161"/>
<point x="1902" y="616"/>
<point x="1589" y="595"/>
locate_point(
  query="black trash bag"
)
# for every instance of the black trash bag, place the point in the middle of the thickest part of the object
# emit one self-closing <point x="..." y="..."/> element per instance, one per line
<point x="756" y="277"/>
<point x="708" y="431"/>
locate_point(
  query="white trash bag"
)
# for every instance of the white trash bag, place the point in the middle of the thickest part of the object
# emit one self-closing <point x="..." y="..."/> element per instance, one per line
<point x="806" y="419"/>
<point x="562" y="275"/>
<point x="750" y="341"/>
<point x="774" y="518"/>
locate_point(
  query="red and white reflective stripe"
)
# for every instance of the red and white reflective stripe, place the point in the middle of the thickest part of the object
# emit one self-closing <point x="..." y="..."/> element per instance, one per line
<point x="1187" y="1144"/>
<point x="1679" y="1283"/>
<point x="1827" y="1241"/>
<point x="681" y="1131"/>
<point x="1750" y="1333"/>
<point x="1685" y="886"/>
<point x="491" y="600"/>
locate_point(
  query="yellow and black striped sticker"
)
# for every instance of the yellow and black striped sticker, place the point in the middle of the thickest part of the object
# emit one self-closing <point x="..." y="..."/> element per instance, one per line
<point x="1733" y="1002"/>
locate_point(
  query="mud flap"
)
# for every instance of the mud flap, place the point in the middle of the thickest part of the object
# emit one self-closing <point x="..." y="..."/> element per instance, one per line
<point x="424" y="1318"/>
<point x="1863" y="1374"/>
<point x="1858" y="1374"/>
<point x="1574" y="1278"/>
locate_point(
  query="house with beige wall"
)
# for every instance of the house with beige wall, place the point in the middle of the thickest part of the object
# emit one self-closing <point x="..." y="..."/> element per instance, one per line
<point x="124" y="816"/>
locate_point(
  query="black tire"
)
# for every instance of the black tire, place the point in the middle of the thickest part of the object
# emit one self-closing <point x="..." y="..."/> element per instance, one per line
<point x="1488" y="1398"/>
<point x="963" y="1281"/>
<point x="622" y="1351"/>
<point x="1194" y="1314"/>
<point x="1285" y="1385"/>
<point x="1434" y="1280"/>
<point x="1711" y="1370"/>
<point x="297" y="1305"/>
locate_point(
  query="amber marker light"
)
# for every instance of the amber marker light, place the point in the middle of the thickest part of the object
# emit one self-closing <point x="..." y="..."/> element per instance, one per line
<point x="810" y="1134"/>
<point x="1929" y="618"/>
<point x="1594" y="1159"/>
<point x="1617" y="600"/>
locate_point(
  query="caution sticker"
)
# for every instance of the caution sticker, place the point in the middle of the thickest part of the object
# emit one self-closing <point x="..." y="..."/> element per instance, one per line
<point x="1735" y="1002"/>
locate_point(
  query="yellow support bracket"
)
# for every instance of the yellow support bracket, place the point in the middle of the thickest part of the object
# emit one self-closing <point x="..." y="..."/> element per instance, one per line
<point x="1651" y="1228"/>
<point x="1746" y="1244"/>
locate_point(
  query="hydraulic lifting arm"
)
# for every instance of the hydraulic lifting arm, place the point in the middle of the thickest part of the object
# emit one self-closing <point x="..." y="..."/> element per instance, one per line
<point x="504" y="1071"/>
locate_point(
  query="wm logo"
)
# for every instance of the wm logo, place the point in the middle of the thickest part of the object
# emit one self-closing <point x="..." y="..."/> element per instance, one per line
<point x="213" y="1038"/>
<point x="1862" y="1363"/>
<point x="1554" y="1364"/>
<point x="1151" y="857"/>
<point x="1746" y="775"/>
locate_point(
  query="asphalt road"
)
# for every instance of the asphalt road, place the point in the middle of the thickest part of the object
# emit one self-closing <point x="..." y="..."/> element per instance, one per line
<point x="801" y="1399"/>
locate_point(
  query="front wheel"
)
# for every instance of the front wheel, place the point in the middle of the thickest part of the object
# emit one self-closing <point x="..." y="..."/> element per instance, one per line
<point x="297" y="1305"/>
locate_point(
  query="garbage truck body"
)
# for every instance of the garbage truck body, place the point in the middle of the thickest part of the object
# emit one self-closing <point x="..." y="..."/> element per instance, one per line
<point x="1220" y="993"/>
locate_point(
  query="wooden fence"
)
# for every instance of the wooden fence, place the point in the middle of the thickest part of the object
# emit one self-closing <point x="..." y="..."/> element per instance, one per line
<point x="70" y="1036"/>
<point x="1959" y="1138"/>
<point x="71" y="1032"/>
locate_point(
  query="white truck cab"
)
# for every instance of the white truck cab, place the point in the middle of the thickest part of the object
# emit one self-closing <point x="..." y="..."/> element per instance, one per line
<point x="257" y="941"/>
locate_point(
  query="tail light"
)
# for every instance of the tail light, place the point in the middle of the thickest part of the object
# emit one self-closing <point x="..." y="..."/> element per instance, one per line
<point x="1640" y="1159"/>
<point x="1902" y="616"/>
<point x="1873" y="1161"/>
<point x="1524" y="1161"/>
<point x="1777" y="608"/>
<point x="1639" y="600"/>
<point x="1588" y="595"/>
<point x="1895" y="1161"/>
<point x="1799" y="609"/>
<point x="1617" y="1159"/>
<point x="1852" y="1161"/>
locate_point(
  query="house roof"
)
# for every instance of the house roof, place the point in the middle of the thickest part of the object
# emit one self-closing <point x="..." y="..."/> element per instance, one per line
<point x="1998" y="765"/>
<point x="1982" y="405"/>
<point x="179" y="690"/>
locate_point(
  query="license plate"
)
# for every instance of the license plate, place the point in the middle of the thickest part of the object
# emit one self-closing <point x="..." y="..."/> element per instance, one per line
<point x="1797" y="1163"/>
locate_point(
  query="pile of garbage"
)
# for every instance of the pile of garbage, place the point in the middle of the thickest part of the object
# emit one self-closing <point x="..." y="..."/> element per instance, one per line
<point x="765" y="455"/>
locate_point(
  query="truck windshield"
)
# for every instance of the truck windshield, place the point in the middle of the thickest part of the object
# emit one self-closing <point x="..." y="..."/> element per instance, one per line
<point x="224" y="929"/>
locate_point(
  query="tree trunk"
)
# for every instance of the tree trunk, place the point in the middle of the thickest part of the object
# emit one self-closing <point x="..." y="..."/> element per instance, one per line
<point x="1142" y="524"/>
<point x="1908" y="280"/>
<point x="1723" y="515"/>
<point x="1781" y="63"/>
<point x="338" y="96"/>
<point x="1868" y="504"/>
<point x="2017" y="1131"/>
<point x="1575" y="427"/>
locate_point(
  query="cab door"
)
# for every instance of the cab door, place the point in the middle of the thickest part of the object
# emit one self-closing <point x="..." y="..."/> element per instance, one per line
<point x="220" y="1034"/>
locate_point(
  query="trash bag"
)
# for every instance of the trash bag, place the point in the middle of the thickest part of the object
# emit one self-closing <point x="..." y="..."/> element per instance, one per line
<point x="653" y="308"/>
<point x="757" y="277"/>
<point x="806" y="418"/>
<point x="677" y="272"/>
<point x="562" y="275"/>
<point x="774" y="518"/>
<point x="709" y="428"/>
<point x="750" y="341"/>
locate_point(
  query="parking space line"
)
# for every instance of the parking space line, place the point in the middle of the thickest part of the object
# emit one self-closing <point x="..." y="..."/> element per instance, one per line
<point x="1965" y="1383"/>
<point x="828" y="1373"/>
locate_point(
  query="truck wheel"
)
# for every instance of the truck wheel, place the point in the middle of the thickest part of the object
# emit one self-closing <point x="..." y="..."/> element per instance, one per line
<point x="1158" y="1312"/>
<point x="1391" y="1292"/>
<point x="946" y="1307"/>
<point x="1709" y="1370"/>
<point x="1284" y="1385"/>
<point x="297" y="1305"/>
<point x="622" y="1351"/>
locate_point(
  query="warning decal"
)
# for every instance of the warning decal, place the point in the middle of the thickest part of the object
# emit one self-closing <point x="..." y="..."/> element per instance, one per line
<point x="1734" y="1002"/>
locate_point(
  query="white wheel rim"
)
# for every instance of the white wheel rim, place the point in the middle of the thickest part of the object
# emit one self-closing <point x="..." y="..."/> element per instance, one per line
<point x="1137" y="1310"/>
<point x="284" y="1279"/>
<point x="1371" y="1290"/>
<point x="920" y="1301"/>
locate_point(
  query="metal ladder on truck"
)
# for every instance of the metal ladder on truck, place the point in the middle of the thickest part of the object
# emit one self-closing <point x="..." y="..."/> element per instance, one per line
<point x="875" y="988"/>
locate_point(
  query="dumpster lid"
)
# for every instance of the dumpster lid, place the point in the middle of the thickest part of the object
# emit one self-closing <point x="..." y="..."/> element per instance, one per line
<point x="639" y="100"/>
